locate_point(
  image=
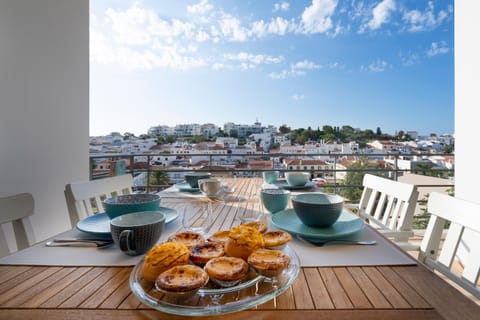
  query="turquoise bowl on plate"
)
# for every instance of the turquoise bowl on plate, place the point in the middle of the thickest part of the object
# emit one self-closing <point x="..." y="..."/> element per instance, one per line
<point x="318" y="210"/>
<point x="128" y="203"/>
<point x="297" y="179"/>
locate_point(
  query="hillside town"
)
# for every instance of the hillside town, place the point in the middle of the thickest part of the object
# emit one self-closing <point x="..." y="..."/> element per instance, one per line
<point x="247" y="148"/>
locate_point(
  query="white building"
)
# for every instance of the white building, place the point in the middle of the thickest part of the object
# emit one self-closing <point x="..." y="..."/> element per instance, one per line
<point x="209" y="129"/>
<point x="192" y="129"/>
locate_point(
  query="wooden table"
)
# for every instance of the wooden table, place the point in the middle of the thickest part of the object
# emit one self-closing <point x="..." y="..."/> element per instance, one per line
<point x="373" y="292"/>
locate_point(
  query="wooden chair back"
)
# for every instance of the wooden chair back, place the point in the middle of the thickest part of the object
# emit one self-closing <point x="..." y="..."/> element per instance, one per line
<point x="462" y="215"/>
<point x="84" y="198"/>
<point x="16" y="209"/>
<point x="389" y="206"/>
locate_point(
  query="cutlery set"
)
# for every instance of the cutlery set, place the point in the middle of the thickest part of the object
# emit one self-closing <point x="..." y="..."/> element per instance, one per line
<point x="102" y="243"/>
<point x="322" y="242"/>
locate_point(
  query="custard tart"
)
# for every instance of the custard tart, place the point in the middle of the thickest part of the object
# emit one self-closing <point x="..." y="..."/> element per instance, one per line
<point x="188" y="238"/>
<point x="219" y="236"/>
<point x="276" y="239"/>
<point x="226" y="271"/>
<point x="242" y="241"/>
<point x="259" y="225"/>
<point x="163" y="256"/>
<point x="269" y="263"/>
<point x="200" y="255"/>
<point x="184" y="278"/>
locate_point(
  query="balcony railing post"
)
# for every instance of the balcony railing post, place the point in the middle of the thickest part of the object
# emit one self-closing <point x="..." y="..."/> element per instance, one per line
<point x="148" y="173"/>
<point x="395" y="173"/>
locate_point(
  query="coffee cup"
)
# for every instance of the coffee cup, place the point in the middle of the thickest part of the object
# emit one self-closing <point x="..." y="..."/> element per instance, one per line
<point x="135" y="233"/>
<point x="274" y="200"/>
<point x="210" y="187"/>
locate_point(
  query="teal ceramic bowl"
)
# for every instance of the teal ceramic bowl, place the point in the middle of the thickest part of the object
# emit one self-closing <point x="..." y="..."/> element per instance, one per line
<point x="128" y="203"/>
<point x="274" y="200"/>
<point x="270" y="176"/>
<point x="317" y="210"/>
<point x="193" y="177"/>
<point x="297" y="179"/>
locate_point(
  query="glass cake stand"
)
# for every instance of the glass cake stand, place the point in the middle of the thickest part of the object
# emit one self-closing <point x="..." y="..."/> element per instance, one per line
<point x="254" y="290"/>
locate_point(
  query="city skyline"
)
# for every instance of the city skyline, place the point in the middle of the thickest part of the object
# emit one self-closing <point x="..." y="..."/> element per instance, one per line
<point x="386" y="64"/>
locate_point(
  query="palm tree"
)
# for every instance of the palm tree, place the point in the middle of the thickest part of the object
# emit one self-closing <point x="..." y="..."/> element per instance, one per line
<point x="161" y="177"/>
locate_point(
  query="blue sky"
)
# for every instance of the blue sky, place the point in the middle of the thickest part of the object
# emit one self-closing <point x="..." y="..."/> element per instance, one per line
<point x="367" y="64"/>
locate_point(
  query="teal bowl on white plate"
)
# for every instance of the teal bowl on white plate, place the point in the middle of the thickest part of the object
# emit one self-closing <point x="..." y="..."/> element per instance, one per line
<point x="128" y="203"/>
<point x="317" y="210"/>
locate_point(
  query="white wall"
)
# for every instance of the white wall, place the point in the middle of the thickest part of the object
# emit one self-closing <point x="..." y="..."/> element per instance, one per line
<point x="467" y="100"/>
<point x="44" y="96"/>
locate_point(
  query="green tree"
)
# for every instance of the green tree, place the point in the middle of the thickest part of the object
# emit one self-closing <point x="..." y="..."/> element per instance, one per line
<point x="284" y="129"/>
<point x="355" y="178"/>
<point x="276" y="145"/>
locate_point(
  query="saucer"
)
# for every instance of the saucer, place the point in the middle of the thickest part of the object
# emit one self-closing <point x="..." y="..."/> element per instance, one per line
<point x="284" y="185"/>
<point x="185" y="187"/>
<point x="347" y="224"/>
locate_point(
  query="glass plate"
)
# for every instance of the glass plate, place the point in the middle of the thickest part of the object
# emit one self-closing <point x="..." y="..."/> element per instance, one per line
<point x="211" y="300"/>
<point x="185" y="187"/>
<point x="347" y="224"/>
<point x="284" y="185"/>
<point x="99" y="224"/>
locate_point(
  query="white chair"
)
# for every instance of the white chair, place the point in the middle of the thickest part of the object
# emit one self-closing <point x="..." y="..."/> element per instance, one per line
<point x="389" y="206"/>
<point x="85" y="198"/>
<point x="463" y="215"/>
<point x="16" y="209"/>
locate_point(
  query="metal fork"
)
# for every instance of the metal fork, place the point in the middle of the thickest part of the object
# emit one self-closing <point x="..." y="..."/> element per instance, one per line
<point x="79" y="243"/>
<point x="322" y="242"/>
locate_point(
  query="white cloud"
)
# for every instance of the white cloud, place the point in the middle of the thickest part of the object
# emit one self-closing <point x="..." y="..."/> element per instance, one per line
<point x="232" y="28"/>
<point x="296" y="69"/>
<point x="438" y="48"/>
<point x="317" y="17"/>
<point x="409" y="59"/>
<point x="200" y="8"/>
<point x="298" y="97"/>
<point x="139" y="26"/>
<point x="381" y="14"/>
<point x="377" y="66"/>
<point x="426" y="20"/>
<point x="278" y="26"/>
<point x="282" y="6"/>
<point x="253" y="58"/>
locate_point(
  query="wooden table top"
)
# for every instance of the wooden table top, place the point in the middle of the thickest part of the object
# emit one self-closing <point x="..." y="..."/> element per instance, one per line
<point x="371" y="292"/>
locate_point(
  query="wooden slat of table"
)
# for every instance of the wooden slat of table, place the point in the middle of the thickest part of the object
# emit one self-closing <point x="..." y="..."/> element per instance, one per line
<point x="94" y="300"/>
<point x="318" y="289"/>
<point x="388" y="291"/>
<point x="7" y="272"/>
<point x="39" y="287"/>
<point x="407" y="291"/>
<point x="55" y="288"/>
<point x="374" y="295"/>
<point x="354" y="292"/>
<point x="335" y="290"/>
<point x="303" y="298"/>
<point x="72" y="288"/>
<point x="56" y="314"/>
<point x="25" y="285"/>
